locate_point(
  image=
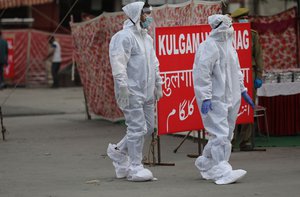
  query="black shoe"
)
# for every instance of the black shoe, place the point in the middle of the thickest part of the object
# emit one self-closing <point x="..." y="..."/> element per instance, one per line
<point x="246" y="147"/>
<point x="2" y="86"/>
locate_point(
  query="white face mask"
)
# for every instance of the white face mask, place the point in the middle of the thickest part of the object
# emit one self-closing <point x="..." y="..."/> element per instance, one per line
<point x="243" y="20"/>
<point x="147" y="22"/>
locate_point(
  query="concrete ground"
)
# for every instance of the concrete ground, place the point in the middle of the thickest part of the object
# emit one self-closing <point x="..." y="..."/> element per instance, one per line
<point x="52" y="150"/>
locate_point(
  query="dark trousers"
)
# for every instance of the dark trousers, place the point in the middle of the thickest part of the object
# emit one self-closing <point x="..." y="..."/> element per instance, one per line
<point x="54" y="71"/>
<point x="1" y="75"/>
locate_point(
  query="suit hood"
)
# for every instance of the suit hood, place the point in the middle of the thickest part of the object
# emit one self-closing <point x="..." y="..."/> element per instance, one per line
<point x="133" y="10"/>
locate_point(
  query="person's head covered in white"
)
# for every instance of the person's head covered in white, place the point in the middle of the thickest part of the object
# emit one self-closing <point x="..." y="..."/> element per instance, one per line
<point x="137" y="85"/>
<point x="218" y="85"/>
<point x="133" y="11"/>
<point x="221" y="27"/>
<point x="139" y="14"/>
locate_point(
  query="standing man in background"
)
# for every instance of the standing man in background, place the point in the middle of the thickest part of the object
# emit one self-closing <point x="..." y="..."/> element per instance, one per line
<point x="3" y="59"/>
<point x="241" y="16"/>
<point x="55" y="51"/>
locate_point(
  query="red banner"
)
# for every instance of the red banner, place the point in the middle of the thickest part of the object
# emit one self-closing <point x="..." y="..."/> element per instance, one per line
<point x="175" y="49"/>
<point x="9" y="69"/>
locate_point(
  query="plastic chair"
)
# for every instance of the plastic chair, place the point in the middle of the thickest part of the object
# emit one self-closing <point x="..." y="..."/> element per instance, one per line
<point x="260" y="111"/>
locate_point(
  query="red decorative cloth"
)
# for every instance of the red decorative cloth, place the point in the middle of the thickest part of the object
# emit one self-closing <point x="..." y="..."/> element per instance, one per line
<point x="278" y="37"/>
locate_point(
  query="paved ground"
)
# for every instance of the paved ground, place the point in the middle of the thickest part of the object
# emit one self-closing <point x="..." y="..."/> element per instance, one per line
<point x="52" y="150"/>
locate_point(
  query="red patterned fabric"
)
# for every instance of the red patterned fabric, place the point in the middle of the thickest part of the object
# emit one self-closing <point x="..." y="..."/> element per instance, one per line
<point x="278" y="36"/>
<point x="283" y="114"/>
<point x="35" y="73"/>
<point x="91" y="41"/>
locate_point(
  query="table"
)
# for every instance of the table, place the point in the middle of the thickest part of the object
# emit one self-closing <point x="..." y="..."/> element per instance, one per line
<point x="282" y="101"/>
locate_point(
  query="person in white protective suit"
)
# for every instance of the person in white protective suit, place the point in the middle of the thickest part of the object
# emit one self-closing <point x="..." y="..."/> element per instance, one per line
<point x="137" y="84"/>
<point x="218" y="86"/>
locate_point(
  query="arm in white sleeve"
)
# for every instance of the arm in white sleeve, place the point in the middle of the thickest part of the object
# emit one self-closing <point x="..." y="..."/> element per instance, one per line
<point x="241" y="78"/>
<point x="158" y="80"/>
<point x="205" y="59"/>
<point x="119" y="54"/>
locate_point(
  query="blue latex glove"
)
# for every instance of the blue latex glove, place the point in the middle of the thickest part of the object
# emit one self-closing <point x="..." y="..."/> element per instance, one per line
<point x="257" y="83"/>
<point x="206" y="106"/>
<point x="248" y="99"/>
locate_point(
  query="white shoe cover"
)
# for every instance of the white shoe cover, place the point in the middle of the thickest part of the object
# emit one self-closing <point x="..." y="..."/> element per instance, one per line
<point x="120" y="161"/>
<point x="234" y="176"/>
<point x="139" y="173"/>
<point x="121" y="170"/>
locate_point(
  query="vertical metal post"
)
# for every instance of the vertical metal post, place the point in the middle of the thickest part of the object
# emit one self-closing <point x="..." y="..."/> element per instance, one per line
<point x="3" y="129"/>
<point x="157" y="142"/>
<point x="152" y="147"/>
<point x="86" y="106"/>
<point x="158" y="149"/>
<point x="298" y="32"/>
<point x="199" y="143"/>
<point x="28" y="58"/>
<point x="30" y="14"/>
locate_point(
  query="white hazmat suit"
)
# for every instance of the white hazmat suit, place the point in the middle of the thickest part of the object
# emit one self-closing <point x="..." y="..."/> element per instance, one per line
<point x="137" y="84"/>
<point x="218" y="78"/>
